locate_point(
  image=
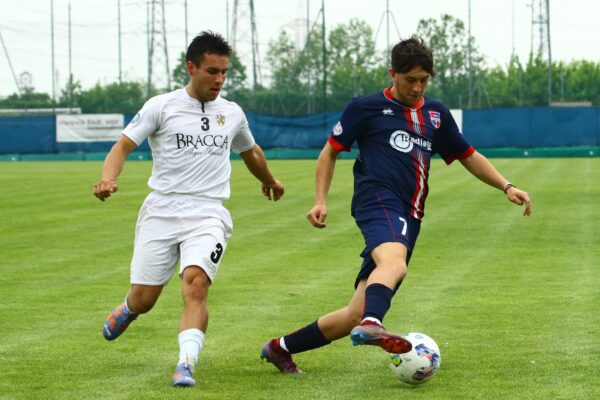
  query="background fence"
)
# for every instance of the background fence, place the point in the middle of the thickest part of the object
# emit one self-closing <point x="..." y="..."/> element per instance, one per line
<point x="485" y="129"/>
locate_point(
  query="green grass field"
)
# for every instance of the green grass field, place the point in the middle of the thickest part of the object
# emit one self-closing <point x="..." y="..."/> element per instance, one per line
<point x="513" y="302"/>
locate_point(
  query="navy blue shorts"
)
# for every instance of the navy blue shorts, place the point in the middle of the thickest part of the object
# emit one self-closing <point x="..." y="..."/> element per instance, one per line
<point x="382" y="219"/>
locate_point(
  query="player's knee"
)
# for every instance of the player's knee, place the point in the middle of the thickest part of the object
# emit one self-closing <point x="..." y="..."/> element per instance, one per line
<point x="353" y="317"/>
<point x="196" y="290"/>
<point x="395" y="267"/>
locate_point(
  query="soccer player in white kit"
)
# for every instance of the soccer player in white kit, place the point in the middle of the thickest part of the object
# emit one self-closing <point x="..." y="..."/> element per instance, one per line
<point x="191" y="132"/>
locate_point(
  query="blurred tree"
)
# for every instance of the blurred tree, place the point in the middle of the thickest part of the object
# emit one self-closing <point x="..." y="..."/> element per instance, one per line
<point x="449" y="42"/>
<point x="125" y="97"/>
<point x="179" y="75"/>
<point x="28" y="99"/>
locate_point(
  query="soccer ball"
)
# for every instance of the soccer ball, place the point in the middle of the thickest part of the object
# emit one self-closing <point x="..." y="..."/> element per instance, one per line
<point x="420" y="364"/>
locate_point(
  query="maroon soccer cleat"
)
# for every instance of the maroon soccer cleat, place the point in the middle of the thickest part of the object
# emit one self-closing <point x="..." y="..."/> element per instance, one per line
<point x="273" y="353"/>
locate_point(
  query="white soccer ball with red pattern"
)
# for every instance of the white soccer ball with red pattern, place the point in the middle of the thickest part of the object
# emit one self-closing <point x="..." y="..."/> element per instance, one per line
<point x="421" y="363"/>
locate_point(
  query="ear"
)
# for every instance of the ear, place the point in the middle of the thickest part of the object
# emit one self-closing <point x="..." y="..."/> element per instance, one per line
<point x="392" y="74"/>
<point x="190" y="67"/>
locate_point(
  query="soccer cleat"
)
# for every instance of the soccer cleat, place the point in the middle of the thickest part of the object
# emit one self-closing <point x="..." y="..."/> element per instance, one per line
<point x="376" y="335"/>
<point x="280" y="358"/>
<point x="183" y="376"/>
<point x="117" y="321"/>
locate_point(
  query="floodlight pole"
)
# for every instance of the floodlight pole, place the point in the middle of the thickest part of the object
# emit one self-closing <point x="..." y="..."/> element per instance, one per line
<point x="185" y="11"/>
<point x="119" y="40"/>
<point x="52" y="51"/>
<point x="324" y="58"/>
<point x="470" y="62"/>
<point x="549" y="52"/>
<point x="70" y="64"/>
<point x="10" y="65"/>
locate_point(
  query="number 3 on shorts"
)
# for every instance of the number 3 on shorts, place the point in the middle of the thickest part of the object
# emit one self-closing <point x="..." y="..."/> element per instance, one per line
<point x="215" y="256"/>
<point x="403" y="226"/>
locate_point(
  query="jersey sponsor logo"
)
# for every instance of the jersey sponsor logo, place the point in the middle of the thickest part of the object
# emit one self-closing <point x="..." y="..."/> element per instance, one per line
<point x="404" y="142"/>
<point x="220" y="119"/>
<point x="136" y="119"/>
<point x="201" y="141"/>
<point x="337" y="129"/>
<point x="387" y="111"/>
<point x="436" y="121"/>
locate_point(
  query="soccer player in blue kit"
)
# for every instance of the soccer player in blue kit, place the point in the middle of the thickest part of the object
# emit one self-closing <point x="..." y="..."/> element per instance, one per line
<point x="397" y="131"/>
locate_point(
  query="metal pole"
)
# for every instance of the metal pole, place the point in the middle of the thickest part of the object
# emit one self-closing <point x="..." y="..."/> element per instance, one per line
<point x="549" y="53"/>
<point x="70" y="64"/>
<point x="119" y="39"/>
<point x="387" y="18"/>
<point x="149" y="43"/>
<point x="10" y="65"/>
<point x="324" y="58"/>
<point x="52" y="51"/>
<point x="309" y="108"/>
<point x="186" y="23"/>
<point x="470" y="63"/>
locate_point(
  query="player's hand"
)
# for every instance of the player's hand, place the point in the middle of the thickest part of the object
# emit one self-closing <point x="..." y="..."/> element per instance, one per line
<point x="273" y="190"/>
<point x="520" y="197"/>
<point x="316" y="216"/>
<point x="104" y="188"/>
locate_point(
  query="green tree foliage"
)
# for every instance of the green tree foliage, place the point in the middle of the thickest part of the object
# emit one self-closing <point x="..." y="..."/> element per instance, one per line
<point x="352" y="67"/>
<point x="449" y="42"/>
<point x="125" y="97"/>
<point x="29" y="99"/>
<point x="179" y="76"/>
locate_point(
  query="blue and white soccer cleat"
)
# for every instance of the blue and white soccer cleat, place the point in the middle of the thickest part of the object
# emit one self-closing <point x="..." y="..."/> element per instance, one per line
<point x="117" y="321"/>
<point x="376" y="335"/>
<point x="183" y="376"/>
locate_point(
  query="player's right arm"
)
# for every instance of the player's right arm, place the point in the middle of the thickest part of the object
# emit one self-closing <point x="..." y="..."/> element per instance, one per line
<point x="113" y="165"/>
<point x="324" y="176"/>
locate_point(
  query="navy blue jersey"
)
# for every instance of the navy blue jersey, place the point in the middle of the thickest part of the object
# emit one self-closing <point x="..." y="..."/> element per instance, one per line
<point x="395" y="144"/>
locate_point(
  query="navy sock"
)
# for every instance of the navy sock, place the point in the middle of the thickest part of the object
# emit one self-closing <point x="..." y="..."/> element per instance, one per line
<point x="307" y="338"/>
<point x="378" y="298"/>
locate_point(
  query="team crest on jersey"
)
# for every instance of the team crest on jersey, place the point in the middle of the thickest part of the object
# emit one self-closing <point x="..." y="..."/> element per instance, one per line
<point x="337" y="129"/>
<point x="436" y="121"/>
<point x="220" y="119"/>
<point x="136" y="119"/>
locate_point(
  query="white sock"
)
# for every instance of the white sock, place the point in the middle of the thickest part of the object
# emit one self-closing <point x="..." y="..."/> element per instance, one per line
<point x="190" y="344"/>
<point x="372" y="319"/>
<point x="127" y="305"/>
<point x="282" y="344"/>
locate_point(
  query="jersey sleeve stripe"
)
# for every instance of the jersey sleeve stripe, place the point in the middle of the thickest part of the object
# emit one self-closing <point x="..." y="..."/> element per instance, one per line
<point x="465" y="154"/>
<point x="337" y="145"/>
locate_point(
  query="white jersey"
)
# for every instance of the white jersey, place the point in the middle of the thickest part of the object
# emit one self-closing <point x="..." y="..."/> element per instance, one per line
<point x="190" y="142"/>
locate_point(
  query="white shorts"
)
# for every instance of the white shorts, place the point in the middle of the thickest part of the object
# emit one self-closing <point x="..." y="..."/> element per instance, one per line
<point x="178" y="227"/>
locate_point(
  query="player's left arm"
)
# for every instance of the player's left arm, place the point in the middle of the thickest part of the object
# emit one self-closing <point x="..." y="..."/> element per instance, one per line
<point x="256" y="162"/>
<point x="482" y="168"/>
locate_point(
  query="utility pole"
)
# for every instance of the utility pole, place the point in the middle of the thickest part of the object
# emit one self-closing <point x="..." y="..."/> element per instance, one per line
<point x="185" y="11"/>
<point x="10" y="65"/>
<point x="245" y="40"/>
<point x="324" y="57"/>
<point x="119" y="40"/>
<point x="470" y="62"/>
<point x="52" y="52"/>
<point x="540" y="44"/>
<point x="70" y="63"/>
<point x="157" y="40"/>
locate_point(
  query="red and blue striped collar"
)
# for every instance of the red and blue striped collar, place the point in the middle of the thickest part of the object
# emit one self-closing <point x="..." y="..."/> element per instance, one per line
<point x="388" y="95"/>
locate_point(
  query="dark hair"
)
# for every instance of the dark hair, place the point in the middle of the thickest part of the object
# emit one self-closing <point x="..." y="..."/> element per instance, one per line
<point x="411" y="53"/>
<point x="207" y="42"/>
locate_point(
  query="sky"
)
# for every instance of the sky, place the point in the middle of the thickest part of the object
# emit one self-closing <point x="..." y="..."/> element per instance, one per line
<point x="499" y="27"/>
